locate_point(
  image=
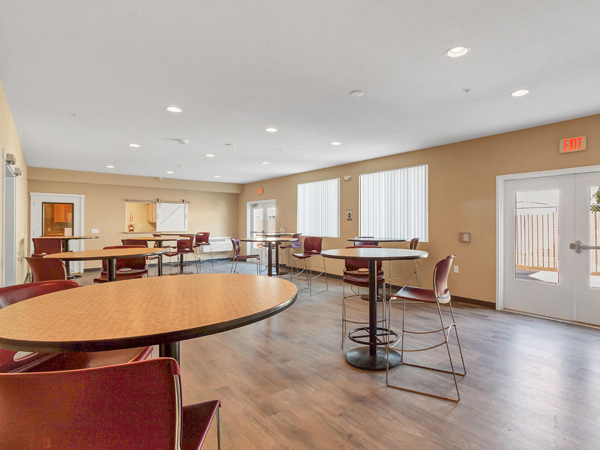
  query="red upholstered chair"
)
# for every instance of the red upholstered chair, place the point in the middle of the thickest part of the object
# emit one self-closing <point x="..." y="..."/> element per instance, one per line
<point x="237" y="257"/>
<point x="46" y="246"/>
<point x="145" y="244"/>
<point x="12" y="361"/>
<point x="202" y="244"/>
<point x="356" y="274"/>
<point x="127" y="268"/>
<point x="291" y="246"/>
<point x="183" y="248"/>
<point x="440" y="296"/>
<point x="312" y="248"/>
<point x="406" y="275"/>
<point x="44" y="269"/>
<point x="133" y="406"/>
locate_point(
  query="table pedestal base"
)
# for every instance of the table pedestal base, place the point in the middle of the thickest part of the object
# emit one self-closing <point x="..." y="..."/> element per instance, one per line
<point x="170" y="350"/>
<point x="361" y="358"/>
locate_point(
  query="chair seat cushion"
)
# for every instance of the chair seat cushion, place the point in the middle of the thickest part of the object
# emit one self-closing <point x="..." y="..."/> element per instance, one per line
<point x="196" y="420"/>
<point x="304" y="255"/>
<point x="361" y="279"/>
<point x="416" y="294"/>
<point x="245" y="257"/>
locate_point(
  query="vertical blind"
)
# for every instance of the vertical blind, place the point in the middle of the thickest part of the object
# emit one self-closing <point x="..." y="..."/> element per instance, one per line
<point x="319" y="208"/>
<point x="393" y="204"/>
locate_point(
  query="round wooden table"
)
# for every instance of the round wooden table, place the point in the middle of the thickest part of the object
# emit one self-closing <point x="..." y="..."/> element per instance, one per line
<point x="375" y="241"/>
<point x="271" y="242"/>
<point x="373" y="357"/>
<point x="66" y="240"/>
<point x="111" y="255"/>
<point x="274" y="234"/>
<point x="159" y="239"/>
<point x="141" y="312"/>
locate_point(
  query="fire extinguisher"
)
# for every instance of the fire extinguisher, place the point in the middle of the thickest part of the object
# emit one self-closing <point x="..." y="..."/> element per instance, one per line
<point x="131" y="227"/>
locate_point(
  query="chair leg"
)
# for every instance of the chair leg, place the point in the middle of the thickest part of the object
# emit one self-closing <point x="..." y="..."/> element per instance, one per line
<point x="219" y="427"/>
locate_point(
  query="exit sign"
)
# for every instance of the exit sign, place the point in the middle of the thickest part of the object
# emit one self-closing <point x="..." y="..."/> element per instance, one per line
<point x="575" y="144"/>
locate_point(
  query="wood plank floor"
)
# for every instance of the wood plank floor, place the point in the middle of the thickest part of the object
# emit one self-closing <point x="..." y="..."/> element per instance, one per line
<point x="284" y="384"/>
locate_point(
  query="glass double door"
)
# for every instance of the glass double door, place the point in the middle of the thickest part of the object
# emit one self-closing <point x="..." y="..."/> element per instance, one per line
<point x="552" y="246"/>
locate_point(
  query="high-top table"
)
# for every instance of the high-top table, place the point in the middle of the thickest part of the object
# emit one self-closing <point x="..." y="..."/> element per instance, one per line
<point x="146" y="311"/>
<point x="111" y="255"/>
<point x="271" y="242"/>
<point x="66" y="240"/>
<point x="375" y="241"/>
<point x="373" y="357"/>
<point x="274" y="234"/>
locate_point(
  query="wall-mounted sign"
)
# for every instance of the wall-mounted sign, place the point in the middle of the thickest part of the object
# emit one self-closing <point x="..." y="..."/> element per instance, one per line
<point x="575" y="144"/>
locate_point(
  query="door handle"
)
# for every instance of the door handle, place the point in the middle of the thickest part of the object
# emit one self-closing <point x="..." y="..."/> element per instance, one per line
<point x="579" y="247"/>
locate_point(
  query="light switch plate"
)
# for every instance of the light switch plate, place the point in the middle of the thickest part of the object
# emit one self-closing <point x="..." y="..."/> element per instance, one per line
<point x="95" y="230"/>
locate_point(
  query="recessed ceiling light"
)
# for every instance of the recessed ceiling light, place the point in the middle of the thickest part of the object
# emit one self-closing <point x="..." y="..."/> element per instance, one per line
<point x="455" y="52"/>
<point x="169" y="171"/>
<point x="336" y="143"/>
<point x="357" y="93"/>
<point x="230" y="144"/>
<point x="210" y="156"/>
<point x="217" y="176"/>
<point x="265" y="162"/>
<point x="271" y="130"/>
<point x="519" y="92"/>
<point x="134" y="145"/>
<point x="110" y="167"/>
<point x="174" y="109"/>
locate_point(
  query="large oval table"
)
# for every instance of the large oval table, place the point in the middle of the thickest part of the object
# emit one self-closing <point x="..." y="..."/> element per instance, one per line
<point x="373" y="357"/>
<point x="110" y="255"/>
<point x="147" y="311"/>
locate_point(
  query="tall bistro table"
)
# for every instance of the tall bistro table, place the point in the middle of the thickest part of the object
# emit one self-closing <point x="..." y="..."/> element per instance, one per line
<point x="110" y="255"/>
<point x="146" y="311"/>
<point x="159" y="240"/>
<point x="271" y="242"/>
<point x="375" y="241"/>
<point x="372" y="357"/>
<point x="67" y="240"/>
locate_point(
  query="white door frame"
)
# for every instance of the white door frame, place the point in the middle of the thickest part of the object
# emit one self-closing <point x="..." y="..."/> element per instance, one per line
<point x="249" y="217"/>
<point x="78" y="228"/>
<point x="500" y="180"/>
<point x="9" y="223"/>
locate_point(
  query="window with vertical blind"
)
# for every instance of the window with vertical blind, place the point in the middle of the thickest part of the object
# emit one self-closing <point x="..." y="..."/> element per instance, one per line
<point x="319" y="208"/>
<point x="393" y="204"/>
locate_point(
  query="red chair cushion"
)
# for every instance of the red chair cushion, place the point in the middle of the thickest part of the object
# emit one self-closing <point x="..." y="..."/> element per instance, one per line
<point x="416" y="294"/>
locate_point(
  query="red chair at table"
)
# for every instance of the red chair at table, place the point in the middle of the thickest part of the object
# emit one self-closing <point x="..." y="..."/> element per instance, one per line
<point x="133" y="406"/>
<point x="237" y="257"/>
<point x="12" y="361"/>
<point x="312" y="248"/>
<point x="184" y="247"/>
<point x="202" y="242"/>
<point x="296" y="244"/>
<point x="439" y="295"/>
<point x="47" y="246"/>
<point x="46" y="269"/>
<point x="356" y="273"/>
<point x="127" y="268"/>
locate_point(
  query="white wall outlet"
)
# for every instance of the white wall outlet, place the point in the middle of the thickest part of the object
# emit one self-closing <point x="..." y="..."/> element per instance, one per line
<point x="95" y="230"/>
<point x="455" y="269"/>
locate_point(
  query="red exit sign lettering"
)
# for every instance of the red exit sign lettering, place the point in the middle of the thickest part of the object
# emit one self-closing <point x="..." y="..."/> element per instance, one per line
<point x="575" y="144"/>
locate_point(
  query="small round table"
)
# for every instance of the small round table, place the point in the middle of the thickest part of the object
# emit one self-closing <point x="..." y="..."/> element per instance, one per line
<point x="274" y="234"/>
<point x="271" y="242"/>
<point x="146" y="311"/>
<point x="111" y="255"/>
<point x="373" y="357"/>
<point x="375" y="241"/>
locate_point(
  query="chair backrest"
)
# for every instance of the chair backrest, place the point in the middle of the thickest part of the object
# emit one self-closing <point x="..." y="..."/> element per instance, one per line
<point x="236" y="247"/>
<point x="12" y="361"/>
<point x="135" y="262"/>
<point x="363" y="243"/>
<point x="413" y="243"/>
<point x="47" y="246"/>
<point x="187" y="245"/>
<point x="352" y="265"/>
<point x="313" y="244"/>
<point x="202" y="238"/>
<point x="298" y="242"/>
<point x="135" y="242"/>
<point x="440" y="279"/>
<point x="133" y="406"/>
<point x="44" y="269"/>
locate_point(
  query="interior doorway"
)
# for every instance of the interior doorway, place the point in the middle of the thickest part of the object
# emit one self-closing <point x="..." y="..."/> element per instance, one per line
<point x="551" y="245"/>
<point x="59" y="215"/>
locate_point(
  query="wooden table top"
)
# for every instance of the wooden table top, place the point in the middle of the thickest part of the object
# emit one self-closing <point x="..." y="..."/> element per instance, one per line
<point x="373" y="239"/>
<point x="68" y="238"/>
<point x="274" y="234"/>
<point x="160" y="239"/>
<point x="110" y="253"/>
<point x="386" y="254"/>
<point x="144" y="311"/>
<point x="269" y="239"/>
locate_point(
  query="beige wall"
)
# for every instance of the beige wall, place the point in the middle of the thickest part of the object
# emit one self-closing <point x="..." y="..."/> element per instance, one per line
<point x="9" y="141"/>
<point x="462" y="194"/>
<point x="213" y="206"/>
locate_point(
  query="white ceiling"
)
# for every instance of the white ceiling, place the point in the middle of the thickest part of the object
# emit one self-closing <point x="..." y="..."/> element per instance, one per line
<point x="84" y="79"/>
